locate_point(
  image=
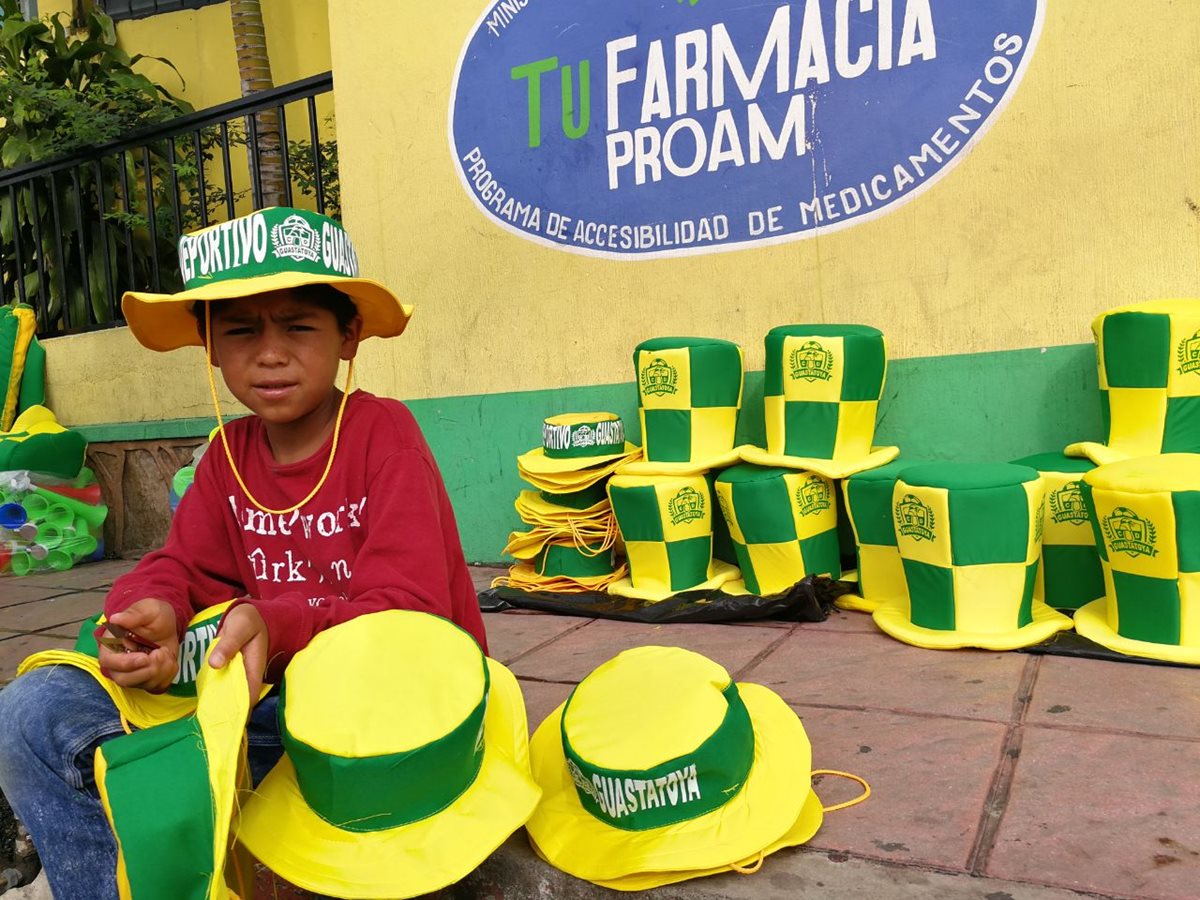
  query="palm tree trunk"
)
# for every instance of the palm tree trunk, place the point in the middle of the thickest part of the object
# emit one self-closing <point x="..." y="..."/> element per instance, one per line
<point x="254" y="69"/>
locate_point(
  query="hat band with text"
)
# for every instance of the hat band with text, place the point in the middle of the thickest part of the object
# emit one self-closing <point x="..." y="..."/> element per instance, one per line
<point x="375" y="793"/>
<point x="679" y="790"/>
<point x="268" y="242"/>
<point x="600" y="438"/>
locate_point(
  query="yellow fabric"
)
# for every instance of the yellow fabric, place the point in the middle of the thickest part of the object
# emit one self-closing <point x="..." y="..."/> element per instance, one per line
<point x="678" y="358"/>
<point x="700" y="465"/>
<point x="914" y="545"/>
<point x="534" y="509"/>
<point x="653" y="590"/>
<point x="1189" y="609"/>
<point x="856" y="429"/>
<point x="775" y="807"/>
<point x="1157" y="515"/>
<point x="1095" y="622"/>
<point x="830" y="468"/>
<point x="816" y="390"/>
<point x="570" y="480"/>
<point x="395" y="648"/>
<point x="35" y="420"/>
<point x="26" y="326"/>
<point x="893" y="619"/>
<point x="1065" y="514"/>
<point x="523" y="577"/>
<point x="880" y="579"/>
<point x="1185" y="345"/>
<point x="537" y="462"/>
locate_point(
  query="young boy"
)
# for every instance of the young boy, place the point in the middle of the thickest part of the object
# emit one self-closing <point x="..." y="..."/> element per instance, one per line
<point x="320" y="507"/>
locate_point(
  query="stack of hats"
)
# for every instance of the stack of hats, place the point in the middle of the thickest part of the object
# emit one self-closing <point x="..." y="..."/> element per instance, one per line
<point x="570" y="546"/>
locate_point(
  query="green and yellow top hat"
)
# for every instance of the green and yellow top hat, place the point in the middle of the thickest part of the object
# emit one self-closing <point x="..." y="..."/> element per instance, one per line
<point x="1149" y="366"/>
<point x="1146" y="517"/>
<point x="689" y="394"/>
<point x="969" y="536"/>
<point x="168" y="793"/>
<point x="578" y="451"/>
<point x="268" y="250"/>
<point x="406" y="761"/>
<point x="659" y="768"/>
<point x="820" y="397"/>
<point x="1070" y="575"/>
<point x="783" y="523"/>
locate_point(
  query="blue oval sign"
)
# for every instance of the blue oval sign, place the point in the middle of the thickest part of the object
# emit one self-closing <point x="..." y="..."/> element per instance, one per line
<point x="628" y="128"/>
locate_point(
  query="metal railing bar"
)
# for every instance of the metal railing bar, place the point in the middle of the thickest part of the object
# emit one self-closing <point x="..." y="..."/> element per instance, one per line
<point x="315" y="138"/>
<point x="61" y="257"/>
<point x="127" y="201"/>
<point x="252" y="156"/>
<point x="228" y="170"/>
<point x="201" y="186"/>
<point x="84" y="276"/>
<point x="108" y="267"/>
<point x="40" y="256"/>
<point x="283" y="150"/>
<point x="152" y="218"/>
<point x="20" y="263"/>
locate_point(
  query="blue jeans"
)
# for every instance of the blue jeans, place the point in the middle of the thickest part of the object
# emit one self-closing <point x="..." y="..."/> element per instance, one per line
<point x="51" y="722"/>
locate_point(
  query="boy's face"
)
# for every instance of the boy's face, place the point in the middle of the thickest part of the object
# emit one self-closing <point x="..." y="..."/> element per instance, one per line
<point x="279" y="354"/>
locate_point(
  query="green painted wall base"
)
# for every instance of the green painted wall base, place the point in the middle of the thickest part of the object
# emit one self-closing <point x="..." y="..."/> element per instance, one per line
<point x="977" y="407"/>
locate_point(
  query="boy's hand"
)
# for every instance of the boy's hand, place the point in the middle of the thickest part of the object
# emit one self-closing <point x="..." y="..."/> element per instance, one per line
<point x="243" y="630"/>
<point x="155" y="621"/>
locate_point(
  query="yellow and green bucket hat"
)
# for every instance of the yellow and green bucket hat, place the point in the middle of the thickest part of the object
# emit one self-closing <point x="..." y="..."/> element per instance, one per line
<point x="666" y="523"/>
<point x="660" y="768"/>
<point x="578" y="451"/>
<point x="820" y="399"/>
<point x="268" y="250"/>
<point x="969" y="536"/>
<point x="179" y="847"/>
<point x="783" y="524"/>
<point x="1070" y="575"/>
<point x="689" y="395"/>
<point x="557" y="510"/>
<point x="406" y="761"/>
<point x="1146" y="517"/>
<point x="1149" y="367"/>
<point x="548" y="561"/>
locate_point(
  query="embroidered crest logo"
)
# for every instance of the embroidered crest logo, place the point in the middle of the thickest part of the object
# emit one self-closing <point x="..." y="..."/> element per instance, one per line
<point x="583" y="436"/>
<point x="1127" y="532"/>
<point x="726" y="510"/>
<point x="686" y="506"/>
<point x="658" y="379"/>
<point x="1067" y="506"/>
<point x="811" y="362"/>
<point x="295" y="239"/>
<point x="915" y="519"/>
<point x="582" y="781"/>
<point x="812" y="496"/>
<point x="1039" y="526"/>
<point x="1188" y="354"/>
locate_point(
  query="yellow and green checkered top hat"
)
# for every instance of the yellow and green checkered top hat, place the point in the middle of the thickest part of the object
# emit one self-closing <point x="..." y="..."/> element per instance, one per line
<point x="1149" y="362"/>
<point x="268" y="250"/>
<point x="1070" y="574"/>
<point x="666" y="522"/>
<point x="969" y="536"/>
<point x="820" y="396"/>
<point x="177" y="847"/>
<point x="1146" y="517"/>
<point x="783" y="523"/>
<point x="578" y="450"/>
<point x="880" y="573"/>
<point x="689" y="394"/>
<point x="659" y="768"/>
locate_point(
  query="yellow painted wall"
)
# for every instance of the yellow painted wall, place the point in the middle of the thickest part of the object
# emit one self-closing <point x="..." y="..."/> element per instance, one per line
<point x="1082" y="196"/>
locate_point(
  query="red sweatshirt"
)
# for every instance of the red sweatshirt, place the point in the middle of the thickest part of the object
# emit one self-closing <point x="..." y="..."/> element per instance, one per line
<point x="379" y="535"/>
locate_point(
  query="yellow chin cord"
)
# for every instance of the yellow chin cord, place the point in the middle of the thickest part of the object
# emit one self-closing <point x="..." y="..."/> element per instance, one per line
<point x="212" y="386"/>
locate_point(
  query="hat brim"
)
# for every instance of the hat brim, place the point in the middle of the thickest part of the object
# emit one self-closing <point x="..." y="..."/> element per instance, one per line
<point x="830" y="468"/>
<point x="284" y="834"/>
<point x="893" y="619"/>
<point x="856" y="602"/>
<point x="720" y="573"/>
<point x="534" y="509"/>
<point x="570" y="481"/>
<point x="1100" y="454"/>
<point x="775" y="803"/>
<point x="524" y="577"/>
<point x="694" y="467"/>
<point x="165" y="321"/>
<point x="1091" y="621"/>
<point x="537" y="462"/>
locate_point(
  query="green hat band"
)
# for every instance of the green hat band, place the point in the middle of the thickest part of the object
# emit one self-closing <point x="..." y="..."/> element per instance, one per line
<point x="584" y="499"/>
<point x="366" y="794"/>
<point x="267" y="242"/>
<point x="602" y="437"/>
<point x="566" y="560"/>
<point x="678" y="790"/>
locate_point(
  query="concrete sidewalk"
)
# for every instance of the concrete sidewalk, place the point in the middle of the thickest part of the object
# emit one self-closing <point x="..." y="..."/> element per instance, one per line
<point x="998" y="776"/>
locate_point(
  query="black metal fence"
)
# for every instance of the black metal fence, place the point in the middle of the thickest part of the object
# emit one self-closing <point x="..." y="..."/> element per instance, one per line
<point x="77" y="232"/>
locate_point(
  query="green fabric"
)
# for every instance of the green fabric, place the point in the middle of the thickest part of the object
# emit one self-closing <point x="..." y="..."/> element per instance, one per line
<point x="368" y="794"/>
<point x="636" y="509"/>
<point x="586" y="439"/>
<point x="988" y="525"/>
<point x="267" y="242"/>
<point x="810" y="428"/>
<point x="60" y="454"/>
<point x="162" y="809"/>
<point x="1147" y="608"/>
<point x="931" y="590"/>
<point x="689" y="561"/>
<point x="10" y="365"/>
<point x="196" y="640"/>
<point x="1097" y="535"/>
<point x="870" y="499"/>
<point x="1106" y="415"/>
<point x="763" y="509"/>
<point x="746" y="565"/>
<point x="1056" y="462"/>
<point x="683" y="789"/>
<point x="668" y="435"/>
<point x="716" y="375"/>
<point x="722" y="540"/>
<point x="584" y="499"/>
<point x="33" y="379"/>
<point x="954" y="476"/>
<point x="1137" y="349"/>
<point x="1025" y="615"/>
<point x="822" y="554"/>
<point x="866" y="361"/>
<point x="85" y="642"/>
<point x="1181" y="431"/>
<point x="1072" y="575"/>
<point x="1187" y="529"/>
<point x="563" y="559"/>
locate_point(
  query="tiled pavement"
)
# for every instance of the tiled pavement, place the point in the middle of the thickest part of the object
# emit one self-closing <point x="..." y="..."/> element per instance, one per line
<point x="1039" y="772"/>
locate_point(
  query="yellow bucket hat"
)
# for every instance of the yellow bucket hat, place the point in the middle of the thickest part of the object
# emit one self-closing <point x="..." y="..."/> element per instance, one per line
<point x="1146" y="517"/>
<point x="575" y="442"/>
<point x="820" y="398"/>
<point x="269" y="250"/>
<point x="406" y="761"/>
<point x="1148" y="355"/>
<point x="659" y="767"/>
<point x="178" y="848"/>
<point x="551" y="510"/>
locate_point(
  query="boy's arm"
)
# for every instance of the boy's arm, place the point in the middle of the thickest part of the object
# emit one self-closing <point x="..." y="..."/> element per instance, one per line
<point x="411" y="559"/>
